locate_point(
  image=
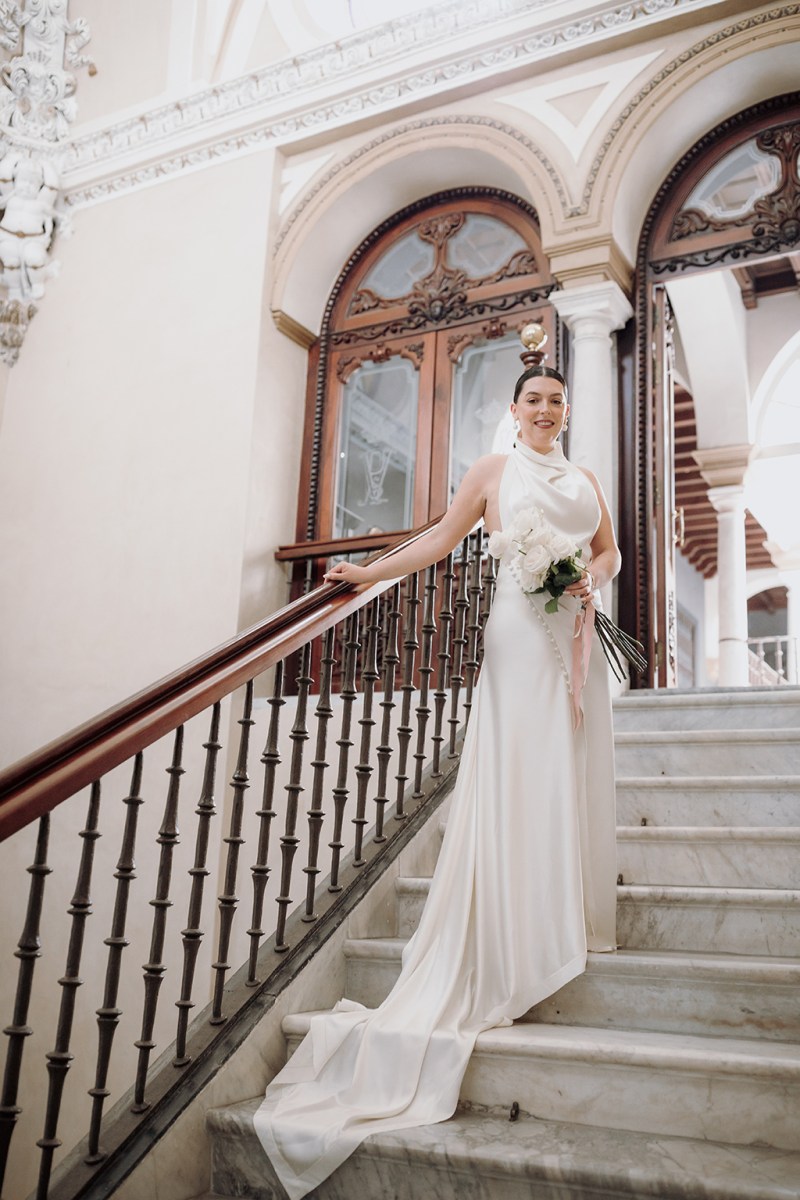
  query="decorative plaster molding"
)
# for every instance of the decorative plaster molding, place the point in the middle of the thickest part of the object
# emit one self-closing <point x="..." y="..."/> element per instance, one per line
<point x="454" y="121"/>
<point x="724" y="467"/>
<point x="276" y="104"/>
<point x="747" y="25"/>
<point x="36" y="109"/>
<point x="293" y="329"/>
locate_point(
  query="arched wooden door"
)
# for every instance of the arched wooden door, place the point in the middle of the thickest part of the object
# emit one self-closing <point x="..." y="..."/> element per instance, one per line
<point x="732" y="201"/>
<point x="416" y="363"/>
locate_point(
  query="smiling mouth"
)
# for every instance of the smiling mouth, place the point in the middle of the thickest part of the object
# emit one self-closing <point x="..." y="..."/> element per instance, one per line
<point x="545" y="424"/>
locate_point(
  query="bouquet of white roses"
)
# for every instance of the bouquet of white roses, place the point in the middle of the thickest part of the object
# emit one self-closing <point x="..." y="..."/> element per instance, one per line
<point x="548" y="561"/>
<point x="544" y="560"/>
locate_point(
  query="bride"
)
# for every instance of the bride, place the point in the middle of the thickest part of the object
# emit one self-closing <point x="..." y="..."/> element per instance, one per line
<point x="525" y="881"/>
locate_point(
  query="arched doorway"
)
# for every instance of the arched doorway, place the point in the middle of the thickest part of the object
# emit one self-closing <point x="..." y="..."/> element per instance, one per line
<point x="732" y="204"/>
<point x="411" y="377"/>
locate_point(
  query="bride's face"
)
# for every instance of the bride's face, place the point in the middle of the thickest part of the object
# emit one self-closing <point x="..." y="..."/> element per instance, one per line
<point x="541" y="410"/>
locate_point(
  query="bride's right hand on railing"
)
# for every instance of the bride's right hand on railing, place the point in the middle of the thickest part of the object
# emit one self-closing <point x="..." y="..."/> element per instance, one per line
<point x="348" y="572"/>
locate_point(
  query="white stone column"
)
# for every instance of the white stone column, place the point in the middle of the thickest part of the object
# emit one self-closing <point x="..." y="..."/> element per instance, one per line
<point x="732" y="584"/>
<point x="724" y="469"/>
<point x="592" y="312"/>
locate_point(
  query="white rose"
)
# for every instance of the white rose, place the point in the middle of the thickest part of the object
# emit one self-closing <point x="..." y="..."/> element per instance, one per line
<point x="499" y="541"/>
<point x="527" y="525"/>
<point x="536" y="561"/>
<point x="561" y="547"/>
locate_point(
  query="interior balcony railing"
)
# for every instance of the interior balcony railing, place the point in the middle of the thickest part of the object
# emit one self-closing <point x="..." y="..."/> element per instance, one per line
<point x="772" y="661"/>
<point x="149" y="882"/>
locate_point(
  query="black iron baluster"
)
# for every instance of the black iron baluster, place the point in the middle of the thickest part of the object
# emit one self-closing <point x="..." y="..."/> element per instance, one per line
<point x="425" y="674"/>
<point x="459" y="643"/>
<point x="289" y="839"/>
<point x="155" y="967"/>
<point x="228" y="900"/>
<point x="28" y="950"/>
<point x="193" y="933"/>
<point x="319" y="765"/>
<point x="474" y="621"/>
<point x="391" y="657"/>
<point x="407" y="687"/>
<point x="443" y="656"/>
<point x="59" y="1059"/>
<point x="108" y="1016"/>
<point x="489" y="583"/>
<point x="266" y="814"/>
<point x="364" y="768"/>
<point x="345" y="743"/>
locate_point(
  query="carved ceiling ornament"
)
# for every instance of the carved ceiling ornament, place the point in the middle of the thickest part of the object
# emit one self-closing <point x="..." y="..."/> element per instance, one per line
<point x="775" y="216"/>
<point x="37" y="107"/>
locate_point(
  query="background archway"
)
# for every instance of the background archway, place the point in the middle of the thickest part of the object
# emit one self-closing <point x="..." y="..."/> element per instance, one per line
<point x="733" y="199"/>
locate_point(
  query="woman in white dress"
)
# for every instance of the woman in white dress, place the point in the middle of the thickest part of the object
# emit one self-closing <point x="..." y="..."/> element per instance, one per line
<point x="526" y="879"/>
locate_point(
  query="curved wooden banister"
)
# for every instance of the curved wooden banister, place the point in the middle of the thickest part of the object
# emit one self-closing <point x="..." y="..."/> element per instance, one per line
<point x="39" y="782"/>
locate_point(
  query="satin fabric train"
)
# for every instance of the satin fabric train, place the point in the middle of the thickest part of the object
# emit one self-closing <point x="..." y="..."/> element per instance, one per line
<point x="525" y="880"/>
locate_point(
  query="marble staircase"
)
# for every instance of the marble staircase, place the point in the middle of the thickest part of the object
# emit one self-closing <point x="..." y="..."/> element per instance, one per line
<point x="669" y="1069"/>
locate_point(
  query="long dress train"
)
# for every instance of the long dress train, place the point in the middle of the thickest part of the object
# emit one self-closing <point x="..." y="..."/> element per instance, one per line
<point x="524" y="883"/>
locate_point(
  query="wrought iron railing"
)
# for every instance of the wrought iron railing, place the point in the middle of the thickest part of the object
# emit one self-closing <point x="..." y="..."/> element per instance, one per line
<point x="772" y="661"/>
<point x="396" y="665"/>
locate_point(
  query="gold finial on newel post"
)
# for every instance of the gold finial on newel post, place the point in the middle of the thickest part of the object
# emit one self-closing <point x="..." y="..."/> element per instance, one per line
<point x="533" y="337"/>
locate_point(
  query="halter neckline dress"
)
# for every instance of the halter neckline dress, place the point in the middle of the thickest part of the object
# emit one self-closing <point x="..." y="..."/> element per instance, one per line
<point x="524" y="884"/>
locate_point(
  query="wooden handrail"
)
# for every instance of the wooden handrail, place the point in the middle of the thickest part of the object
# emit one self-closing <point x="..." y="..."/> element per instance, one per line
<point x="44" y="779"/>
<point x="299" y="551"/>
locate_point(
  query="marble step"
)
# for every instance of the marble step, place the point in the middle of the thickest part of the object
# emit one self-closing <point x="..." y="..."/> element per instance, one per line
<point x="755" y="800"/>
<point x="709" y="708"/>
<point x="663" y="991"/>
<point x="655" y="917"/>
<point x="712" y="856"/>
<point x="485" y="1157"/>
<point x="764" y="921"/>
<point x="708" y="751"/>
<point x="735" y="1090"/>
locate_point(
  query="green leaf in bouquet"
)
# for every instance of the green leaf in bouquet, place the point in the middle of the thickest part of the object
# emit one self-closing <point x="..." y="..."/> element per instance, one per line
<point x="552" y="605"/>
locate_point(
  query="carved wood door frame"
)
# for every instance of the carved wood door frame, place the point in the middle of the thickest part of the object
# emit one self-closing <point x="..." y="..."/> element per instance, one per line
<point x="681" y="237"/>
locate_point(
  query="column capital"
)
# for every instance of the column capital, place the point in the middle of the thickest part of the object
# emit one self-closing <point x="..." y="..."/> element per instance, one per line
<point x="724" y="466"/>
<point x="605" y="303"/>
<point x="728" y="498"/>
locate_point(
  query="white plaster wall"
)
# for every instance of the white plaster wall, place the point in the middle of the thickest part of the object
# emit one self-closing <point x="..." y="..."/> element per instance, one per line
<point x="690" y="589"/>
<point x="125" y="475"/>
<point x="769" y="327"/>
<point x="130" y="46"/>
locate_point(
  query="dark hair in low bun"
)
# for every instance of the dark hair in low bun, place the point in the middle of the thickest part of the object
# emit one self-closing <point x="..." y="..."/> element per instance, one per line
<point x="538" y="372"/>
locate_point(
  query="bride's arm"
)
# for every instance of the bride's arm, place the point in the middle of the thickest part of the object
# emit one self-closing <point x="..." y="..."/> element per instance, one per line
<point x="466" y="510"/>
<point x="606" y="558"/>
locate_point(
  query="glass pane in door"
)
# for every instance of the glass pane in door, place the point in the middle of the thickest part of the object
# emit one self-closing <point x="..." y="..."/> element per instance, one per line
<point x="483" y="387"/>
<point x="377" y="449"/>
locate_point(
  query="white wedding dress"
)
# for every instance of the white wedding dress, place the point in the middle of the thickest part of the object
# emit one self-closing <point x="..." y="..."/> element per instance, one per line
<point x="524" y="884"/>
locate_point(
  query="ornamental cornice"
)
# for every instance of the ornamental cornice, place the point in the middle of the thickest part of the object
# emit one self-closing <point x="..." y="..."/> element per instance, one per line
<point x="361" y="76"/>
<point x="37" y="107"/>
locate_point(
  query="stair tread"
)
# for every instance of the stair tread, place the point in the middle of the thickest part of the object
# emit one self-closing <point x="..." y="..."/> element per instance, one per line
<point x="731" y="782"/>
<point x="690" y="1052"/>
<point x="420" y="884"/>
<point x="665" y="1166"/>
<point x="710" y="833"/>
<point x="632" y="737"/>
<point x="651" y="962"/>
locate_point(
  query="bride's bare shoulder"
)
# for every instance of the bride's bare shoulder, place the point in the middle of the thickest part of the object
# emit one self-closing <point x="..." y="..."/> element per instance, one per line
<point x="490" y="465"/>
